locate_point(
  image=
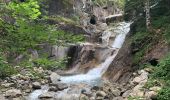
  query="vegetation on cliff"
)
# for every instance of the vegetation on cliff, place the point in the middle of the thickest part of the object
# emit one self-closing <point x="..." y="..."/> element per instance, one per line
<point x="23" y="27"/>
<point x="145" y="39"/>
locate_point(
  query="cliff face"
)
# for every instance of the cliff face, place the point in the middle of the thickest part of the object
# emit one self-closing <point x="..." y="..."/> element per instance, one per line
<point x="61" y="7"/>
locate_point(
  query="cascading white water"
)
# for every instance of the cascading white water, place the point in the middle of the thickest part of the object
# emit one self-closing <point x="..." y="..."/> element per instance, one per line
<point x="93" y="76"/>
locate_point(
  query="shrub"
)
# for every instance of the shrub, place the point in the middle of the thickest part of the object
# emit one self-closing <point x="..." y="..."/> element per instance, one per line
<point x="5" y="69"/>
<point x="50" y="64"/>
<point x="162" y="71"/>
<point x="164" y="94"/>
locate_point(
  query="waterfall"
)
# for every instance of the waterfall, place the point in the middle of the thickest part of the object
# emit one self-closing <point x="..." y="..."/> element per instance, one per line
<point x="94" y="75"/>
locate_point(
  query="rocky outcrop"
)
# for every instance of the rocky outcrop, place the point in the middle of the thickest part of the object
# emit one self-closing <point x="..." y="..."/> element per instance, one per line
<point x="121" y="68"/>
<point x="60" y="7"/>
<point x="81" y="56"/>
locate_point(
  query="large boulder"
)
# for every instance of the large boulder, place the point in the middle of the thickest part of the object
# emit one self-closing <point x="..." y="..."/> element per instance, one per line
<point x="13" y="93"/>
<point x="142" y="78"/>
<point x="55" y="78"/>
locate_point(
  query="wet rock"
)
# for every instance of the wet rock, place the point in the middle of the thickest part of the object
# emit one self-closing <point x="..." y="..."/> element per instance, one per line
<point x="101" y="94"/>
<point x="46" y="95"/>
<point x="96" y="88"/>
<point x="53" y="88"/>
<point x="13" y="93"/>
<point x="54" y="78"/>
<point x="62" y="86"/>
<point x="59" y="86"/>
<point x="88" y="93"/>
<point x="36" y="85"/>
<point x="83" y="91"/>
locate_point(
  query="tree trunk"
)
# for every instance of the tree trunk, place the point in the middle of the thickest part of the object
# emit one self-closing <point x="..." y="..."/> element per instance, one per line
<point x="147" y="11"/>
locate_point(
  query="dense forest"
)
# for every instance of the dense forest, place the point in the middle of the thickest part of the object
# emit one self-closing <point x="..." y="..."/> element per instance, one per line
<point x="42" y="41"/>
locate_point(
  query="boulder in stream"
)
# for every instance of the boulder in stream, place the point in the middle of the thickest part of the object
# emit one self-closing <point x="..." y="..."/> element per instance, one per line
<point x="54" y="78"/>
<point x="46" y="95"/>
<point x="36" y="85"/>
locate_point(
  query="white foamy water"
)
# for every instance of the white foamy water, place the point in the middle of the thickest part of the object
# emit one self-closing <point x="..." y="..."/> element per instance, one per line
<point x="34" y="95"/>
<point x="94" y="75"/>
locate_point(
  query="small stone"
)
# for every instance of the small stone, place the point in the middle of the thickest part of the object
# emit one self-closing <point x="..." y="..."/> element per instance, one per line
<point x="149" y="70"/>
<point x="28" y="90"/>
<point x="126" y="94"/>
<point x="115" y="92"/>
<point x="99" y="98"/>
<point x="83" y="97"/>
<point x="46" y="95"/>
<point x="96" y="88"/>
<point x="17" y="99"/>
<point x="6" y="85"/>
<point x="118" y="98"/>
<point x="36" y="85"/>
<point x="134" y="74"/>
<point x="92" y="98"/>
<point x="13" y="93"/>
<point x="101" y="94"/>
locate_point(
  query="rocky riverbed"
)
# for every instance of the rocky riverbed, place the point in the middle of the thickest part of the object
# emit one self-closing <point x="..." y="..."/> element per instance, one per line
<point x="25" y="87"/>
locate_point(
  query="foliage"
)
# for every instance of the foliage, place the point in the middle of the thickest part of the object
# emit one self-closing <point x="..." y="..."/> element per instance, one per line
<point x="5" y="68"/>
<point x="29" y="9"/>
<point x="162" y="71"/>
<point x="151" y="83"/>
<point x="22" y="27"/>
<point x="50" y="64"/>
<point x="28" y="30"/>
<point x="140" y="44"/>
<point x="135" y="98"/>
<point x="142" y="40"/>
<point x="164" y="94"/>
